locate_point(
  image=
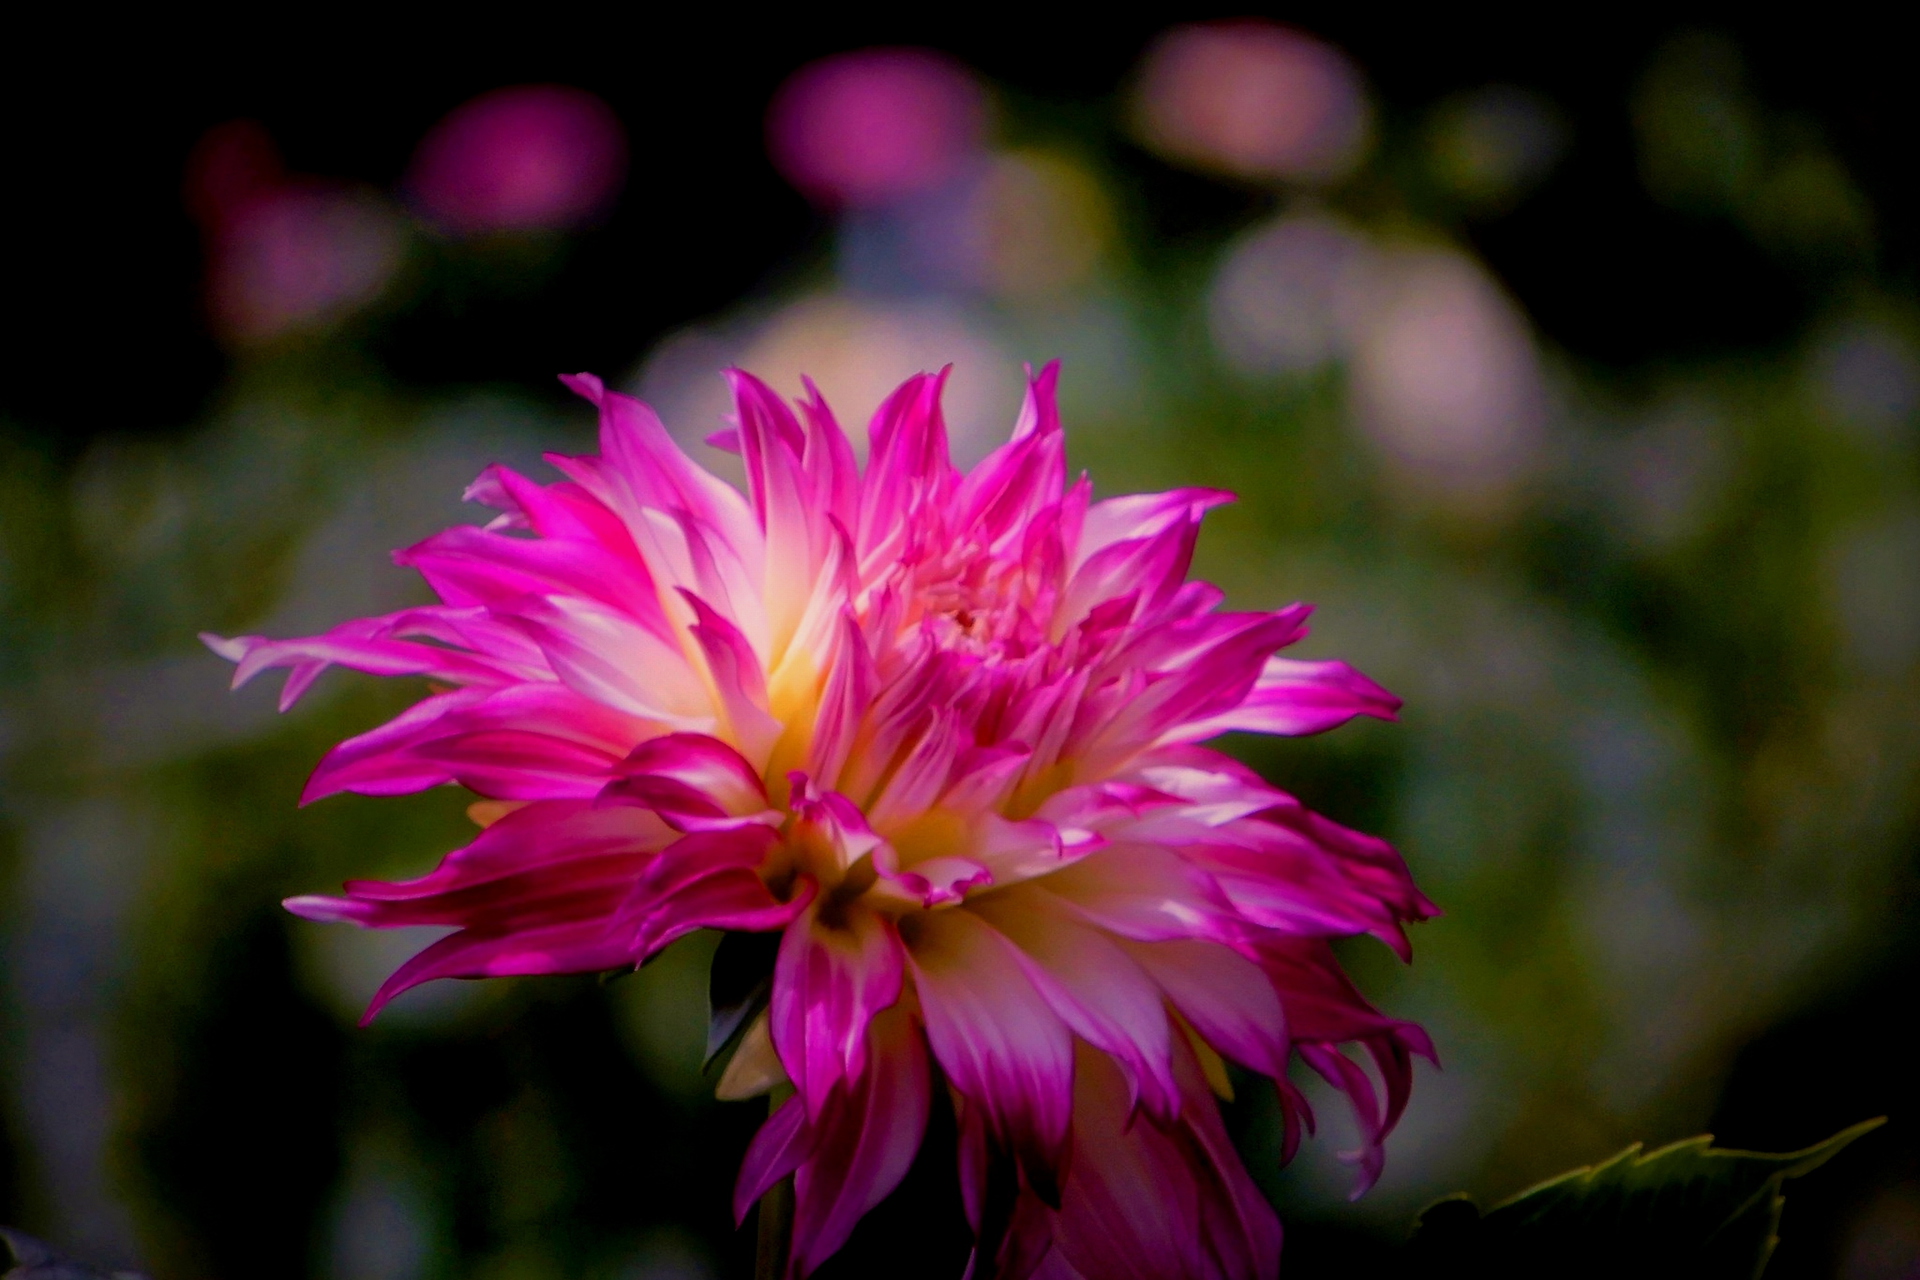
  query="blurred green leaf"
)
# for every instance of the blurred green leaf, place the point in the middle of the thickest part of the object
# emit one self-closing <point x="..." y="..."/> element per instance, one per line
<point x="1690" y="1209"/>
<point x="738" y="988"/>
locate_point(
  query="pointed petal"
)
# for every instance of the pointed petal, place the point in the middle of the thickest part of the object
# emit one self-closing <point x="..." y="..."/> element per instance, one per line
<point x="1224" y="995"/>
<point x="908" y="467"/>
<point x="1293" y="697"/>
<point x="995" y="1036"/>
<point x="1094" y="986"/>
<point x="604" y="655"/>
<point x="776" y="1151"/>
<point x="740" y="686"/>
<point x="835" y="972"/>
<point x="645" y="468"/>
<point x="867" y="1143"/>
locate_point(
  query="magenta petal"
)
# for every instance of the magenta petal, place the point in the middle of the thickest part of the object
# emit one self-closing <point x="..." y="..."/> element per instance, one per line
<point x="521" y="742"/>
<point x="582" y="947"/>
<point x="868" y="1139"/>
<point x="1143" y="515"/>
<point x="827" y="455"/>
<point x="843" y="704"/>
<point x="1293" y="697"/>
<point x="1095" y="988"/>
<point x="645" y="468"/>
<point x="933" y="882"/>
<point x="737" y="677"/>
<point x="471" y="566"/>
<point x="996" y="1038"/>
<point x="377" y="763"/>
<point x="1146" y="893"/>
<point x="907" y="461"/>
<point x="1008" y="488"/>
<point x="605" y="655"/>
<point x="382" y="646"/>
<point x="1131" y="1206"/>
<point x="1147" y="1200"/>
<point x="833" y="976"/>
<point x="791" y="514"/>
<point x="920" y="779"/>
<point x="692" y="781"/>
<point x="1149" y="569"/>
<point x="706" y="880"/>
<point x="1297" y="872"/>
<point x="1224" y="995"/>
<point x="552" y="511"/>
<point x="776" y="1151"/>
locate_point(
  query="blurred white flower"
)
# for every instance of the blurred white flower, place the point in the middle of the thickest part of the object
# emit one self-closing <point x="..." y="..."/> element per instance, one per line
<point x="856" y="350"/>
<point x="1252" y="99"/>
<point x="1447" y="387"/>
<point x="1275" y="299"/>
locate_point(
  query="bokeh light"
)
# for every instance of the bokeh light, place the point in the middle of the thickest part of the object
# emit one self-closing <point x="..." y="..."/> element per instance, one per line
<point x="1491" y="146"/>
<point x="1278" y="296"/>
<point x="1025" y="226"/>
<point x="1669" y="476"/>
<point x="856" y="350"/>
<point x="1446" y="383"/>
<point x="1873" y="573"/>
<point x="522" y="159"/>
<point x="284" y="254"/>
<point x="1253" y="100"/>
<point x="1866" y="376"/>
<point x="1037" y="225"/>
<point x="868" y="127"/>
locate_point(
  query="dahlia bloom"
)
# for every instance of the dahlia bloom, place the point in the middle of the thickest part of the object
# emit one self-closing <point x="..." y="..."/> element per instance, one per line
<point x="940" y="732"/>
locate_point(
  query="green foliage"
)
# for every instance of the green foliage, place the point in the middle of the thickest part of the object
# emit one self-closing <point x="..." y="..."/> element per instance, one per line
<point x="1690" y="1209"/>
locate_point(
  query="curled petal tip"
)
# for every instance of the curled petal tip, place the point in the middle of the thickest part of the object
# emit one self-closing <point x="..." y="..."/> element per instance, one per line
<point x="314" y="906"/>
<point x="232" y="649"/>
<point x="585" y="385"/>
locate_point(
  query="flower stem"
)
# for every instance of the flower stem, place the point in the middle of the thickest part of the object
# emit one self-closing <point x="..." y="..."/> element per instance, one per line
<point x="776" y="1231"/>
<point x="776" y="1215"/>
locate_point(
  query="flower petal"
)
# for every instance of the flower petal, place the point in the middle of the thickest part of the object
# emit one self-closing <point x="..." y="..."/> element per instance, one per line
<point x="1094" y="986"/>
<point x="839" y="966"/>
<point x="997" y="1039"/>
<point x="867" y="1142"/>
<point x="740" y="685"/>
<point x="693" y="781"/>
<point x="1293" y="697"/>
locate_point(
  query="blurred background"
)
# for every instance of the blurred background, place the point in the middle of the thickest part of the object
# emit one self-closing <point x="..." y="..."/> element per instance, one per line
<point x="1573" y="370"/>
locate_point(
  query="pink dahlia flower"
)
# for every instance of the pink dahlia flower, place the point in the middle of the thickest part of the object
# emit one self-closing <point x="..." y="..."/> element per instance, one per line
<point x="941" y="732"/>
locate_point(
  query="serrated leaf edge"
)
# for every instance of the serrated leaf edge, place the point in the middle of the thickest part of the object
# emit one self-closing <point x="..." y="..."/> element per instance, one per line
<point x="1793" y="1164"/>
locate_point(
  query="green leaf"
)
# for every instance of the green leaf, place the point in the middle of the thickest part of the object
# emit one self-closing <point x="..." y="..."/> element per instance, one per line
<point x="738" y="988"/>
<point x="1690" y="1209"/>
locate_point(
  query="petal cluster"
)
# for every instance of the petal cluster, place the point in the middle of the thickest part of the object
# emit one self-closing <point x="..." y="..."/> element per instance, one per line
<point x="941" y="731"/>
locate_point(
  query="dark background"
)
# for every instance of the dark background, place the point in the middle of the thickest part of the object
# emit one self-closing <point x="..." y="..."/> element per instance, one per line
<point x="105" y="259"/>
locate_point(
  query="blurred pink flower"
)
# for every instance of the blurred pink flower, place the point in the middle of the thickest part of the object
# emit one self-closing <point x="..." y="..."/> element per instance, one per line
<point x="284" y="253"/>
<point x="941" y="731"/>
<point x="1252" y="99"/>
<point x="528" y="158"/>
<point x="868" y="127"/>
